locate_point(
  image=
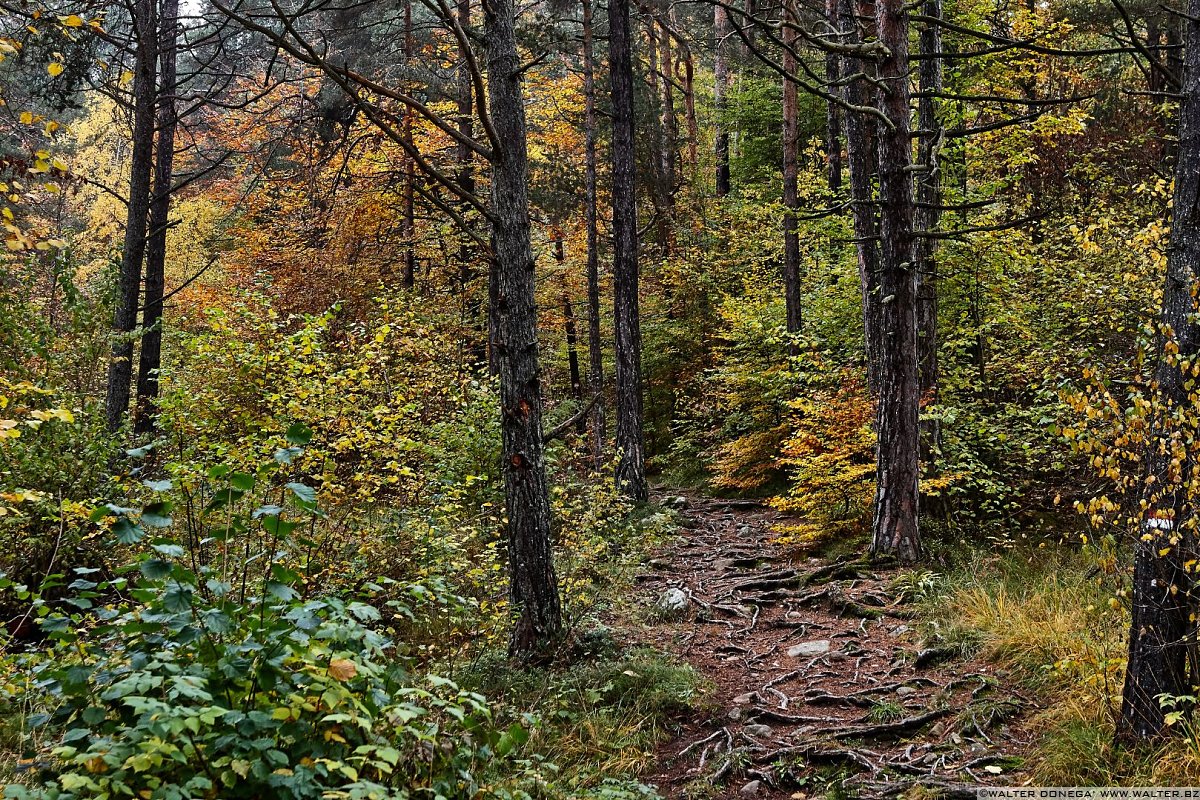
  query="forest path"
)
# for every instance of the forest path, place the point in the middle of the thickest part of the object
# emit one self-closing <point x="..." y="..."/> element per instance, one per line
<point x="820" y="674"/>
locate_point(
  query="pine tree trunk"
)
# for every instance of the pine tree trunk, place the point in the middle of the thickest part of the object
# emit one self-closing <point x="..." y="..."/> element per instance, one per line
<point x="133" y="250"/>
<point x="631" y="457"/>
<point x="899" y="393"/>
<point x="464" y="176"/>
<point x="791" y="204"/>
<point x="1160" y="652"/>
<point x="533" y="588"/>
<point x="595" y="343"/>
<point x="721" y="32"/>
<point x="929" y="196"/>
<point x="833" y="114"/>
<point x="150" y="357"/>
<point x="862" y="163"/>
<point x="408" y="228"/>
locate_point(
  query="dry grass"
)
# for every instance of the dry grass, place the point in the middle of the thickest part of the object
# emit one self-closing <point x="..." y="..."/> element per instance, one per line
<point x="1051" y="616"/>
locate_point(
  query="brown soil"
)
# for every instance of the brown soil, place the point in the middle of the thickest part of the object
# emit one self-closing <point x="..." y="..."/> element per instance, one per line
<point x="880" y="711"/>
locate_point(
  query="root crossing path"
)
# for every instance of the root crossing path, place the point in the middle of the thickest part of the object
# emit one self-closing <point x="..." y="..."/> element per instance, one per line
<point x="822" y="675"/>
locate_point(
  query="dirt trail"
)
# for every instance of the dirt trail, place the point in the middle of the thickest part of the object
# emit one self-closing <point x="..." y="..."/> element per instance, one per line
<point x="818" y="672"/>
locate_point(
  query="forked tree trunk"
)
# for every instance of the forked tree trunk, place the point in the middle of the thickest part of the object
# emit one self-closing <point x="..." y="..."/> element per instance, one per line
<point x="133" y="250"/>
<point x="631" y="456"/>
<point x="899" y="393"/>
<point x="791" y="205"/>
<point x="721" y="31"/>
<point x="1161" y="634"/>
<point x="533" y="587"/>
<point x="595" y="343"/>
<point x="150" y="357"/>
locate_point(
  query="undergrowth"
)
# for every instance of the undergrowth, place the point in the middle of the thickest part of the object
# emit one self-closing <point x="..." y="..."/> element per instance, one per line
<point x="1055" y="618"/>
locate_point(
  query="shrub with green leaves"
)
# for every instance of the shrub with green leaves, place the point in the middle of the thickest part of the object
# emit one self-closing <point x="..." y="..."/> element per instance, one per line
<point x="179" y="677"/>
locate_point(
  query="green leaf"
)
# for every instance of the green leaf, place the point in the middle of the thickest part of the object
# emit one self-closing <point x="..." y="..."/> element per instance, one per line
<point x="157" y="515"/>
<point x="127" y="532"/>
<point x="306" y="494"/>
<point x="155" y="568"/>
<point x="241" y="481"/>
<point x="299" y="434"/>
<point x="158" y="486"/>
<point x="177" y="599"/>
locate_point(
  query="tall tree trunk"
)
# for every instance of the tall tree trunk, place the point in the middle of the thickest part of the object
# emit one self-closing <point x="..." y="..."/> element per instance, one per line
<point x="862" y="160"/>
<point x="533" y="588"/>
<point x="661" y="182"/>
<point x="721" y="32"/>
<point x="670" y="126"/>
<point x="929" y="197"/>
<point x="560" y="256"/>
<point x="631" y="456"/>
<point x="899" y="395"/>
<point x="464" y="175"/>
<point x="791" y="202"/>
<point x="833" y="113"/>
<point x="689" y="103"/>
<point x="150" y="358"/>
<point x="595" y="343"/>
<point x="408" y="227"/>
<point x="133" y="250"/>
<point x="1162" y="600"/>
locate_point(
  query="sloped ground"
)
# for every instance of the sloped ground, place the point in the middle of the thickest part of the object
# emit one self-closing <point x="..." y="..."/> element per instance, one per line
<point x="821" y="677"/>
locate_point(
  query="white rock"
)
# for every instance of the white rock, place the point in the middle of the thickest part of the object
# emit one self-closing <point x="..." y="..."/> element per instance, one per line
<point x="751" y="788"/>
<point x="814" y="648"/>
<point x="673" y="601"/>
<point x="745" y="699"/>
<point x="757" y="731"/>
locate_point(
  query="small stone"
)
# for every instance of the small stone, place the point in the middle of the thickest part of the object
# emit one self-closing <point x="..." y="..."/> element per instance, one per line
<point x="906" y="691"/>
<point x="745" y="699"/>
<point x="673" y="601"/>
<point x="751" y="788"/>
<point x="899" y="630"/>
<point x="757" y="731"/>
<point x="744" y="530"/>
<point x="659" y="563"/>
<point x="735" y="714"/>
<point x="814" y="648"/>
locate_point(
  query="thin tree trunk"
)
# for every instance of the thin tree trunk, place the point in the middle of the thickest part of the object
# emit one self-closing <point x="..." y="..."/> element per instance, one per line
<point x="120" y="367"/>
<point x="631" y="457"/>
<point x="408" y="226"/>
<point x="689" y="105"/>
<point x="791" y="203"/>
<point x="862" y="161"/>
<point x="1162" y="599"/>
<point x="533" y="588"/>
<point x="465" y="177"/>
<point x="833" y="114"/>
<point x="150" y="357"/>
<point x="670" y="126"/>
<point x="929" y="197"/>
<point x="595" y="343"/>
<point x="898" y="407"/>
<point x="721" y="31"/>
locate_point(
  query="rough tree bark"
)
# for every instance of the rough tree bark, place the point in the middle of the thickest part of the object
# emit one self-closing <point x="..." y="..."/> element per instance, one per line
<point x="133" y="250"/>
<point x="791" y="203"/>
<point x="833" y="114"/>
<point x="929" y="198"/>
<point x="1161" y="644"/>
<point x="408" y="275"/>
<point x="150" y="357"/>
<point x="862" y="160"/>
<point x="595" y="343"/>
<point x="533" y="588"/>
<point x="631" y="457"/>
<point x="897" y="466"/>
<point x="721" y="31"/>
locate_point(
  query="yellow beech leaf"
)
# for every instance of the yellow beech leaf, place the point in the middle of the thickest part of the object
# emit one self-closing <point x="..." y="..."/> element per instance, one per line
<point x="73" y="21"/>
<point x="26" y="118"/>
<point x="54" y="68"/>
<point x="341" y="669"/>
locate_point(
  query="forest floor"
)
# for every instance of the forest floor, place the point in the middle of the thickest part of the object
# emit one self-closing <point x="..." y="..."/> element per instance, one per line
<point x="823" y="682"/>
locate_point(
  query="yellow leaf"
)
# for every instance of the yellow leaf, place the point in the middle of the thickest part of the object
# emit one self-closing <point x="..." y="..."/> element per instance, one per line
<point x="54" y="68"/>
<point x="73" y="21"/>
<point x="26" y="118"/>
